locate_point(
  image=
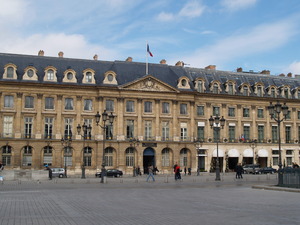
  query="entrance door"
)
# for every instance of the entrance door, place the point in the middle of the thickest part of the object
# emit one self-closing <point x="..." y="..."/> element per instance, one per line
<point x="232" y="162"/>
<point x="201" y="163"/>
<point x="148" y="159"/>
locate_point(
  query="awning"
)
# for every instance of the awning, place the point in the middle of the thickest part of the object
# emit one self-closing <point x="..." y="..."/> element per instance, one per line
<point x="221" y="153"/>
<point x="233" y="153"/>
<point x="262" y="153"/>
<point x="248" y="152"/>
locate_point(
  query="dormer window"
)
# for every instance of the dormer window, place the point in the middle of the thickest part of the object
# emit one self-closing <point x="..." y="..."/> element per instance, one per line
<point x="110" y="78"/>
<point x="10" y="72"/>
<point x="259" y="91"/>
<point x="88" y="77"/>
<point x="30" y="73"/>
<point x="230" y="88"/>
<point x="245" y="91"/>
<point x="286" y="92"/>
<point x="199" y="86"/>
<point x="273" y="92"/>
<point x="70" y="76"/>
<point x="183" y="83"/>
<point x="50" y="74"/>
<point x="215" y="88"/>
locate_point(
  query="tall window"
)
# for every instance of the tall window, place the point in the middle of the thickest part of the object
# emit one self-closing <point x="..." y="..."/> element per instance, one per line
<point x="48" y="127"/>
<point x="216" y="111"/>
<point x="245" y="91"/>
<point x="68" y="128"/>
<point x="27" y="156"/>
<point x="200" y="132"/>
<point x="260" y="132"/>
<point x="246" y="112"/>
<point x="87" y="156"/>
<point x="8" y="101"/>
<point x="47" y="156"/>
<point x="183" y="158"/>
<point x="28" y="127"/>
<point x="200" y="86"/>
<point x="231" y="112"/>
<point x="165" y="157"/>
<point x="88" y="77"/>
<point x="109" y="105"/>
<point x="274" y="134"/>
<point x="165" y="130"/>
<point x="129" y="106"/>
<point x="288" y="134"/>
<point x="129" y="128"/>
<point x="88" y="103"/>
<point x="148" y="129"/>
<point x="183" y="109"/>
<point x="130" y="156"/>
<point x="183" y="131"/>
<point x="68" y="153"/>
<point x="29" y="102"/>
<point x="109" y="156"/>
<point x="259" y="91"/>
<point x="88" y="134"/>
<point x="6" y="155"/>
<point x="50" y="74"/>
<point x="10" y="72"/>
<point x="247" y="132"/>
<point x="148" y="107"/>
<point x="200" y="110"/>
<point x="69" y="105"/>
<point x="288" y="115"/>
<point x="165" y="107"/>
<point x="260" y="113"/>
<point x="49" y="103"/>
<point x="231" y="133"/>
<point x="216" y="88"/>
<point x="7" y="126"/>
<point x="216" y="134"/>
<point x="230" y="89"/>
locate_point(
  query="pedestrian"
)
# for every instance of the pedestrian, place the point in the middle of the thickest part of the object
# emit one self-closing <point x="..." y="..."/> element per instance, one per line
<point x="138" y="171"/>
<point x="150" y="173"/>
<point x="184" y="171"/>
<point x="50" y="172"/>
<point x="239" y="171"/>
<point x="1" y="167"/>
<point x="189" y="171"/>
<point x="177" y="173"/>
<point x="174" y="167"/>
<point x="155" y="170"/>
<point x="198" y="171"/>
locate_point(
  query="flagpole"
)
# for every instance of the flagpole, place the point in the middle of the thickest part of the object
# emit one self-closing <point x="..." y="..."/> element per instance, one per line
<point x="146" y="58"/>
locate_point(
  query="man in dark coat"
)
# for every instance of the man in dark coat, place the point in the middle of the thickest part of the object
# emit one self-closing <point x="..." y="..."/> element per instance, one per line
<point x="239" y="171"/>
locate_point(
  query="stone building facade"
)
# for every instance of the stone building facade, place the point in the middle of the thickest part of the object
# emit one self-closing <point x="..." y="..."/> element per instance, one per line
<point x="160" y="118"/>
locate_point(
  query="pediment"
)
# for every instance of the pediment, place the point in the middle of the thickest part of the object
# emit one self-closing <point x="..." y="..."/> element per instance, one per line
<point x="149" y="83"/>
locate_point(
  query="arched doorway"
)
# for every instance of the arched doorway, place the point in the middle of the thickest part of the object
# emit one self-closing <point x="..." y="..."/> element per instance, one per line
<point x="148" y="158"/>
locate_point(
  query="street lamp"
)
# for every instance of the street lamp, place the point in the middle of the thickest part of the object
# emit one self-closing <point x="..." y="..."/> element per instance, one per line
<point x="110" y="118"/>
<point x="86" y="135"/>
<point x="217" y="121"/>
<point x="66" y="142"/>
<point x="274" y="111"/>
<point x="134" y="141"/>
<point x="253" y="144"/>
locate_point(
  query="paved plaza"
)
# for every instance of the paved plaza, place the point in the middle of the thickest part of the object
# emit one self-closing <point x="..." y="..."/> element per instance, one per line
<point x="133" y="201"/>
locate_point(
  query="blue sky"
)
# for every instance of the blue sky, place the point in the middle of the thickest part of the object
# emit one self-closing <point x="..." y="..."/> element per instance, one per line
<point x="252" y="34"/>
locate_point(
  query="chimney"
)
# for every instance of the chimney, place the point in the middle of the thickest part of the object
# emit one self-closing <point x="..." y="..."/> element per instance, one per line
<point x="265" y="72"/>
<point x="95" y="57"/>
<point x="179" y="63"/>
<point x="240" y="70"/>
<point x="282" y="75"/>
<point x="60" y="54"/>
<point x="41" y="53"/>
<point x="210" y="67"/>
<point x="289" y="75"/>
<point x="163" y="61"/>
<point x="129" y="59"/>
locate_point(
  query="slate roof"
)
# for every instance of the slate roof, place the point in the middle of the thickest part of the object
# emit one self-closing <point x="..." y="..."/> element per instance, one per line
<point x="130" y="71"/>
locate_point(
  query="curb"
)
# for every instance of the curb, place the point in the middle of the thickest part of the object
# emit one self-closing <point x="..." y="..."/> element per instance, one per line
<point x="275" y="188"/>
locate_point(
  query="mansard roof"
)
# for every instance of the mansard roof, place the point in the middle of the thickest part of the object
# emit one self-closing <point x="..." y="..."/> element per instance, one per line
<point x="130" y="71"/>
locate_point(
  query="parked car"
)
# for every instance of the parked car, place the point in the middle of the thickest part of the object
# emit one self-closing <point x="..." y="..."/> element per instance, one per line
<point x="111" y="173"/>
<point x="267" y="170"/>
<point x="58" y="172"/>
<point x="251" y="168"/>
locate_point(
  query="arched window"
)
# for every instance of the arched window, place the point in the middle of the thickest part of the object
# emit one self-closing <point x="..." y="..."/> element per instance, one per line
<point x="165" y="157"/>
<point x="50" y="74"/>
<point x="130" y="156"/>
<point x="6" y="155"/>
<point x="87" y="156"/>
<point x="10" y="72"/>
<point x="48" y="155"/>
<point x="27" y="156"/>
<point x="183" y="157"/>
<point x="88" y="77"/>
<point x="109" y="156"/>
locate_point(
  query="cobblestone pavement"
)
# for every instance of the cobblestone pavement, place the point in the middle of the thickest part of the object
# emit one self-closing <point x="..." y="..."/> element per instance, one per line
<point x="133" y="201"/>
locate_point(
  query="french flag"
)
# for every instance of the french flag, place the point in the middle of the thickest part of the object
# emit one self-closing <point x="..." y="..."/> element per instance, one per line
<point x="148" y="50"/>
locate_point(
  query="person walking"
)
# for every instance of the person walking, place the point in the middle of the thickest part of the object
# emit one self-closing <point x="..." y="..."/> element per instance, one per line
<point x="239" y="171"/>
<point x="150" y="173"/>
<point x="177" y="173"/>
<point x="184" y="171"/>
<point x="50" y="172"/>
<point x="174" y="167"/>
<point x="189" y="171"/>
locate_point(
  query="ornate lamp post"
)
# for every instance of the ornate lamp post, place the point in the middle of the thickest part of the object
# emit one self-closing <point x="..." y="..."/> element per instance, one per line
<point x="105" y="117"/>
<point x="274" y="111"/>
<point x="217" y="128"/>
<point x="253" y="144"/>
<point x="86" y="135"/>
<point x="66" y="142"/>
<point x="134" y="141"/>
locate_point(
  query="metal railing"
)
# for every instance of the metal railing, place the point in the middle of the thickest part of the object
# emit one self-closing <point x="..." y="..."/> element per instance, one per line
<point x="289" y="177"/>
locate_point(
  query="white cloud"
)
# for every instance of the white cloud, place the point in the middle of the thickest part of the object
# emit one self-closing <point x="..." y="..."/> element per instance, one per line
<point x="234" y="5"/>
<point x="74" y="46"/>
<point x="165" y="17"/>
<point x="192" y="9"/>
<point x="258" y="40"/>
<point x="12" y="12"/>
<point x="294" y="68"/>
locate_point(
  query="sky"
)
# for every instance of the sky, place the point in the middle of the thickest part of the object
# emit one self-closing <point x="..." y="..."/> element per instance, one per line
<point x="253" y="34"/>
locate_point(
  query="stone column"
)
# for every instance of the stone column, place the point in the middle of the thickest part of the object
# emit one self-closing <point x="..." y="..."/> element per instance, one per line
<point x="157" y="122"/>
<point x="175" y="121"/>
<point x="59" y="120"/>
<point x="39" y="121"/>
<point x="18" y="119"/>
<point x="139" y="120"/>
<point x="119" y="123"/>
